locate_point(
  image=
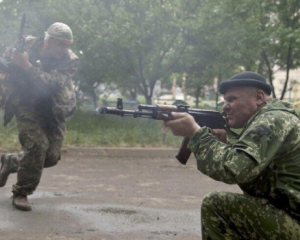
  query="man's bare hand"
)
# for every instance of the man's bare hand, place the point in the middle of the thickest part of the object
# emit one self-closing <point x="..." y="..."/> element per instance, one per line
<point x="21" y="59"/>
<point x="183" y="124"/>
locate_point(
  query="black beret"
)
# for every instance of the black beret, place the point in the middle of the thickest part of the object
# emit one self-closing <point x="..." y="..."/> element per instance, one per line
<point x="245" y="79"/>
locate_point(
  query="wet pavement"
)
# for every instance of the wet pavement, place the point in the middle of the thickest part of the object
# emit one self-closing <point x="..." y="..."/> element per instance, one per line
<point x="112" y="194"/>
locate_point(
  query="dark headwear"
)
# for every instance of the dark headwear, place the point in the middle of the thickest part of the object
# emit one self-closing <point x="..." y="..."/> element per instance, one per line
<point x="245" y="79"/>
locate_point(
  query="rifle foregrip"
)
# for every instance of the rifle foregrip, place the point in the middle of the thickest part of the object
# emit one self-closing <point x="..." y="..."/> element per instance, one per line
<point x="184" y="153"/>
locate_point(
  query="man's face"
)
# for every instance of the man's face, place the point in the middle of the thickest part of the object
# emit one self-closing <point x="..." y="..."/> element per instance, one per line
<point x="57" y="48"/>
<point x="240" y="104"/>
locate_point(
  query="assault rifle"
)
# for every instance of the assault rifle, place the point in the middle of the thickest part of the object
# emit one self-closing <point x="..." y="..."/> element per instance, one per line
<point x="20" y="46"/>
<point x="208" y="118"/>
<point x="21" y="40"/>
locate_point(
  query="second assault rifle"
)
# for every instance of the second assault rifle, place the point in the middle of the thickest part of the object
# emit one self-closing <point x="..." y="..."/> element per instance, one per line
<point x="208" y="118"/>
<point x="20" y="45"/>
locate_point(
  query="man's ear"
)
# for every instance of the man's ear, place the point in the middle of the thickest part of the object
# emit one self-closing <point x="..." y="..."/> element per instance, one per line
<point x="260" y="97"/>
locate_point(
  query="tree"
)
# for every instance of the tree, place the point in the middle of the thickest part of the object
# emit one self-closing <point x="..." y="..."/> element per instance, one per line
<point x="132" y="44"/>
<point x="143" y="41"/>
<point x="213" y="44"/>
<point x="266" y="35"/>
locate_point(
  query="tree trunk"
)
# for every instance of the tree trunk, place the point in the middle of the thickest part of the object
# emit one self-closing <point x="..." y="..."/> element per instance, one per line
<point x="94" y="99"/>
<point x="217" y="92"/>
<point x="148" y="100"/>
<point x="197" y="95"/>
<point x="288" y="67"/>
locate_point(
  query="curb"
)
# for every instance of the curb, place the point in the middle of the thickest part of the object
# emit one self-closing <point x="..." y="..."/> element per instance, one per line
<point x="122" y="152"/>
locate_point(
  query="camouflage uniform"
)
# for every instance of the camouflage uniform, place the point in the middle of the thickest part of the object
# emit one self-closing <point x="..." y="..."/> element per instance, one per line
<point x="265" y="163"/>
<point x="41" y="100"/>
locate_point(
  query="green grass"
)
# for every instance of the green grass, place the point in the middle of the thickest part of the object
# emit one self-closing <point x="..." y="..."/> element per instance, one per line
<point x="9" y="137"/>
<point x="92" y="130"/>
<point x="88" y="129"/>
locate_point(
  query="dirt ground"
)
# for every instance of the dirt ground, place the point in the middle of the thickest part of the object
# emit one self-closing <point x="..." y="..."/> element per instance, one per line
<point x="112" y="194"/>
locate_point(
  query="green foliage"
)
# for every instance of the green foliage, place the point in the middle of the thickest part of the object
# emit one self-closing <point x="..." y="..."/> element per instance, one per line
<point x="8" y="135"/>
<point x="91" y="129"/>
<point x="88" y="129"/>
<point x="133" y="44"/>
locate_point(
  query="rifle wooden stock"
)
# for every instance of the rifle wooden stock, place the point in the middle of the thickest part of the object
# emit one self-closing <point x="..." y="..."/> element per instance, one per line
<point x="208" y="118"/>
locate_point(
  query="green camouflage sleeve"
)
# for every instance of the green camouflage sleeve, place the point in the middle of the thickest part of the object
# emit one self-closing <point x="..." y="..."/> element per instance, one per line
<point x="53" y="80"/>
<point x="261" y="142"/>
<point x="59" y="86"/>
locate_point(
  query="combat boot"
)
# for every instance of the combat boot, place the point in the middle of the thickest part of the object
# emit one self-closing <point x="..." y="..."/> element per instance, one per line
<point x="21" y="202"/>
<point x="5" y="170"/>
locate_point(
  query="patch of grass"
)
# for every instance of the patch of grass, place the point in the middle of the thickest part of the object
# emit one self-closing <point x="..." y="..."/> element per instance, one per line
<point x="9" y="137"/>
<point x="91" y="129"/>
<point x="88" y="129"/>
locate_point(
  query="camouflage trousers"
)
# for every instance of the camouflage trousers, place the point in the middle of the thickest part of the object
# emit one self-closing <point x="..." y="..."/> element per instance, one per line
<point x="233" y="216"/>
<point x="41" y="143"/>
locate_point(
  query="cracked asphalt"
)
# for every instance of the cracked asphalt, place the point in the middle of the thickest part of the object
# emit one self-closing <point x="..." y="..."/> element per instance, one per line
<point x="112" y="194"/>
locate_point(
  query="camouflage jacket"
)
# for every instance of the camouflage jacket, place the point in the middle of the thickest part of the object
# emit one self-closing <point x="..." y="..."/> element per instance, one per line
<point x="47" y="85"/>
<point x="264" y="161"/>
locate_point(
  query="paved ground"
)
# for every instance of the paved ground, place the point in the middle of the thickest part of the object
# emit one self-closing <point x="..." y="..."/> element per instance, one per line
<point x="112" y="194"/>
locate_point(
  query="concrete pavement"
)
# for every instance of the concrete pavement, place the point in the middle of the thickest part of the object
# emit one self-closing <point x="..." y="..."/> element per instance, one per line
<point x="110" y="194"/>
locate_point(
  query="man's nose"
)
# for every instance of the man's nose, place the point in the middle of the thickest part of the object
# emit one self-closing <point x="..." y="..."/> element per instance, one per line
<point x="225" y="106"/>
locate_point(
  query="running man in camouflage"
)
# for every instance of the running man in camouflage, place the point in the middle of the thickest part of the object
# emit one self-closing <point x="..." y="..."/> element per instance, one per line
<point x="264" y="161"/>
<point x="39" y="92"/>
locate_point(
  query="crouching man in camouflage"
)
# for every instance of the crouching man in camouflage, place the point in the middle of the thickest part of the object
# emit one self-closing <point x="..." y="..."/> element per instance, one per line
<point x="264" y="160"/>
<point x="39" y="92"/>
